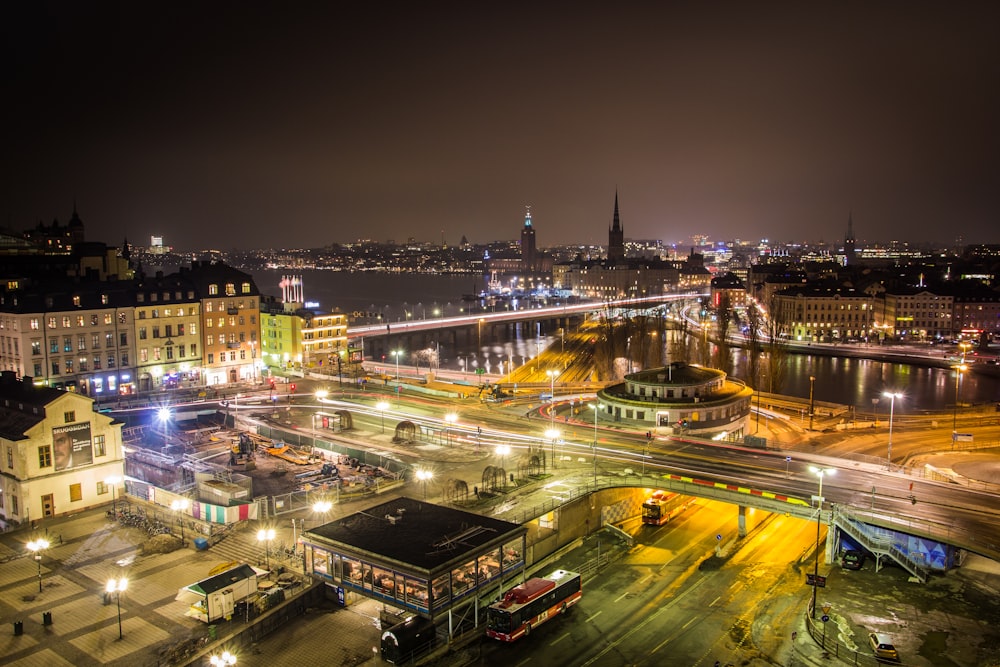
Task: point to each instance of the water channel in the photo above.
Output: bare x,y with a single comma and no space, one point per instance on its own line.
844,380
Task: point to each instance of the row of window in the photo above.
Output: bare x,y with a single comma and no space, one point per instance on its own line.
81,343
183,329
81,320
81,365
169,312
168,353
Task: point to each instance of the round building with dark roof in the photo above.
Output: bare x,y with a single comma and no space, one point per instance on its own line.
686,398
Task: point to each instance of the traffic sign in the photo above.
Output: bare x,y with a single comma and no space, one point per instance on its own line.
816,580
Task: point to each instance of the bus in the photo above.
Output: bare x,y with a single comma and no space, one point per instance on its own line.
663,506
530,604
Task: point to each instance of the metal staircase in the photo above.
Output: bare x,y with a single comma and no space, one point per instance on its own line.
879,542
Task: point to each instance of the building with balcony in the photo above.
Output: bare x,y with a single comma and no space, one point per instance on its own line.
680,397
824,313
56,454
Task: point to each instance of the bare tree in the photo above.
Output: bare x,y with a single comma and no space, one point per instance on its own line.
777,347
723,317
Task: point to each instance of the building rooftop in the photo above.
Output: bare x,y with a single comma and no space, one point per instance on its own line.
414,532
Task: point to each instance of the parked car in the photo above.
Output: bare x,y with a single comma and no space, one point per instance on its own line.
881,646
852,559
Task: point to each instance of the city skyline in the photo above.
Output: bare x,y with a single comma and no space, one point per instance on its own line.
235,126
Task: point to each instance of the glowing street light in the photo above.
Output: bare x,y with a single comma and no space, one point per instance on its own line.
450,419
179,506
819,472
322,507
397,354
892,396
117,586
424,476
113,482
321,394
596,407
553,435
227,659
502,452
36,547
959,370
265,536
553,374
164,414
382,406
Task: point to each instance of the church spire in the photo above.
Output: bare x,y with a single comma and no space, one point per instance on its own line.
616,237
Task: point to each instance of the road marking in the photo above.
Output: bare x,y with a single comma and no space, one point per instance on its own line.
643,580
620,597
712,603
559,640
693,619
595,616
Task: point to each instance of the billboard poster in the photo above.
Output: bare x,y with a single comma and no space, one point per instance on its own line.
72,446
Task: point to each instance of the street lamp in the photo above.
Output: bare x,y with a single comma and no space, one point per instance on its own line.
892,396
812,403
424,476
479,336
596,407
382,406
553,435
163,414
502,452
396,354
322,507
117,586
321,394
450,419
35,547
959,370
819,472
227,659
265,536
553,374
179,506
113,482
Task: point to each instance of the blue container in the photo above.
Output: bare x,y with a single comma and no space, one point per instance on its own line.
200,543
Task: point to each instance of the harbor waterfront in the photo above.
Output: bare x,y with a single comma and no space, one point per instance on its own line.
838,379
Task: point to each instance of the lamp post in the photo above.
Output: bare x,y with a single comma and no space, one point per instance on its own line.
450,419
396,354
179,506
553,374
959,370
875,410
382,406
227,659
117,586
892,396
36,547
265,536
819,472
479,336
424,476
322,507
553,434
812,403
596,407
163,414
113,482
502,452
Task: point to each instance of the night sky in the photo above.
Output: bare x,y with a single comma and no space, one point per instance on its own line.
254,125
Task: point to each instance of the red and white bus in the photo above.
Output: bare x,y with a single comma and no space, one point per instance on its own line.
663,506
535,601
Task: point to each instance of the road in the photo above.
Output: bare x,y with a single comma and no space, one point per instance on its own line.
670,601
